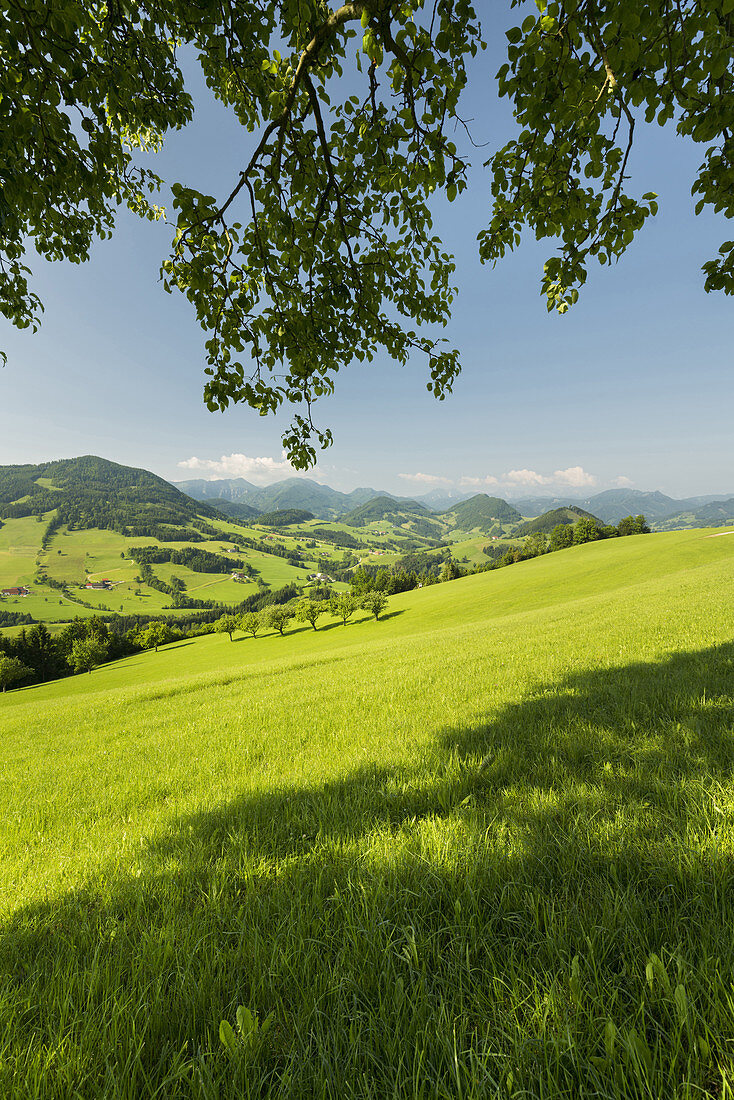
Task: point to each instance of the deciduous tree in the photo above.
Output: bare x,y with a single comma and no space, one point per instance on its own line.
250,623
375,602
343,606
227,625
310,611
11,671
561,536
154,635
320,249
585,530
87,653
277,616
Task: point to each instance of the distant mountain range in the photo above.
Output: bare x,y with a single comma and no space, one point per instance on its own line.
610,506
293,492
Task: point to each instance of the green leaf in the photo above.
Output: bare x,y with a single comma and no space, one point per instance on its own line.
246,1022
228,1037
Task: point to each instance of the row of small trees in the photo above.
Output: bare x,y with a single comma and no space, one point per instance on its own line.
342,605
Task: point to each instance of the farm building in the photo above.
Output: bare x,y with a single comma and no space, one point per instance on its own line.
104,585
22,591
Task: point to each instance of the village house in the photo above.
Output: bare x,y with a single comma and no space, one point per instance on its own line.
319,577
22,591
103,585
238,576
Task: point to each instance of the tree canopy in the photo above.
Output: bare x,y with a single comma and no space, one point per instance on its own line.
322,248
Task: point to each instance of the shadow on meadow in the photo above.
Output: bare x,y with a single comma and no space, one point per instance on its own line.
469,930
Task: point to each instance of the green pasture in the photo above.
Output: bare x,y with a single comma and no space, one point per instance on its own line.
20,543
45,605
482,848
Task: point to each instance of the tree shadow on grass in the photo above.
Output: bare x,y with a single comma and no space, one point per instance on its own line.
465,930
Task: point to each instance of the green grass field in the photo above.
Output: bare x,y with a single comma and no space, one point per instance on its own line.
482,848
20,543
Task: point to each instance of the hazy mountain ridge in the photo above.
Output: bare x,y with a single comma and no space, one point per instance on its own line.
610,505
292,492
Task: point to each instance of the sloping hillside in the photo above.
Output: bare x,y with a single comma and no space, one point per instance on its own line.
285,517
93,492
489,835
544,524
385,507
233,508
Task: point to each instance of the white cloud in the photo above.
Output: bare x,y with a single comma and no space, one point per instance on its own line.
623,482
427,479
575,477
263,469
479,482
527,478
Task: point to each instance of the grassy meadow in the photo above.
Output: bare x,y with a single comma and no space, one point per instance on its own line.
482,848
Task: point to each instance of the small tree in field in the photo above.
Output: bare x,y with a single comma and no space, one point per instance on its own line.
155,634
250,623
278,615
308,611
11,671
87,653
375,602
343,606
227,625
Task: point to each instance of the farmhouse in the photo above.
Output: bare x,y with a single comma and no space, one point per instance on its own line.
22,591
319,577
239,576
104,585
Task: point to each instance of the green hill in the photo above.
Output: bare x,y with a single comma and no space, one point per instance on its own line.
397,511
93,492
482,513
487,836
285,517
233,509
544,524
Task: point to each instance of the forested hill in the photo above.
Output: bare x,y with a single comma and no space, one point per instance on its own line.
544,524
93,492
481,511
385,507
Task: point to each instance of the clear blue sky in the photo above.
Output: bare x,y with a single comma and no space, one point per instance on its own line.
633,386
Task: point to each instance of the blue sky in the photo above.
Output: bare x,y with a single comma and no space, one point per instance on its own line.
634,386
